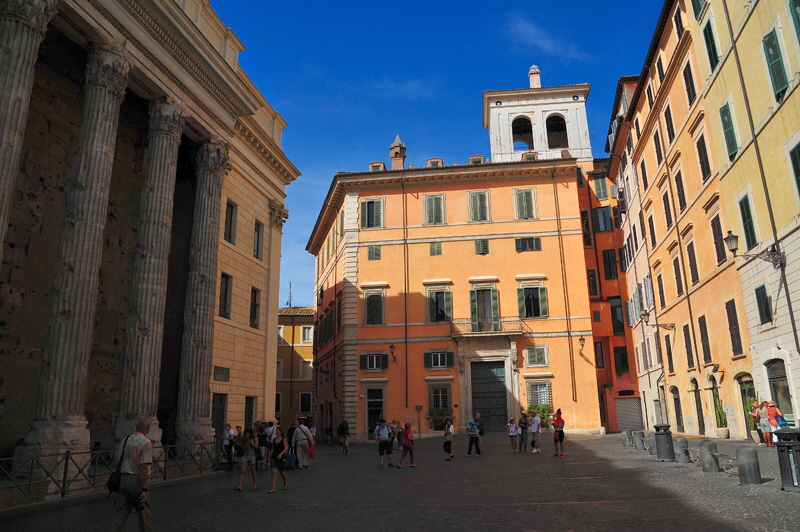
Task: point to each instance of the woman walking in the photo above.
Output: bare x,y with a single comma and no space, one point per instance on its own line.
772,412
558,434
762,423
277,464
249,445
524,425
448,439
408,446
511,429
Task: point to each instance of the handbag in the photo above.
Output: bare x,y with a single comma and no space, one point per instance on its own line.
781,421
291,460
115,478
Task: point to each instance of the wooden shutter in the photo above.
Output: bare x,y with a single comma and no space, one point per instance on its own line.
378,206
687,341
518,244
384,361
795,153
733,327
427,359
495,310
727,130
521,303
537,243
448,305
668,346
764,305
429,210
711,46
474,207
695,275
719,243
543,310
362,361
473,309
363,214
484,206
777,73
703,326
747,223
451,359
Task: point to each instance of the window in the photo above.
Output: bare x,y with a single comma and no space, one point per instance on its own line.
601,218
532,302
600,188
667,209
255,307
676,266
526,204
280,335
556,132
764,303
579,175
371,213
587,229
657,145
443,359
222,374
777,74
668,122
704,342
440,305
373,253
374,362
662,298
305,371
695,276
668,347
697,6
649,96
528,244
439,397
339,314
306,335
484,310
592,278
678,20
711,46
596,317
644,175
434,209
719,243
481,247
225,289
794,155
599,357
341,223
435,249
688,81
794,6
652,227
539,393
621,360
680,191
617,323
687,344
277,402
373,308
728,132
479,206
305,402
660,68
747,223
522,133
638,132
702,156
230,222
536,356
610,263
258,240
375,167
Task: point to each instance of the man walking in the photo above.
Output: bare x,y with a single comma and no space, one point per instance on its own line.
301,441
381,434
136,454
479,423
536,430
474,438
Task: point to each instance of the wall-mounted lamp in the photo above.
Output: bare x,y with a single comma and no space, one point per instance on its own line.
646,317
771,254
582,341
716,369
391,351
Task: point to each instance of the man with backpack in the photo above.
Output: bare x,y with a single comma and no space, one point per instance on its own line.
382,435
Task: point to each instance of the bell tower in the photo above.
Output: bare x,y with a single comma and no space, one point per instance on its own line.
397,151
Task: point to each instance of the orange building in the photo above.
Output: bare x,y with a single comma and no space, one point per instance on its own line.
449,290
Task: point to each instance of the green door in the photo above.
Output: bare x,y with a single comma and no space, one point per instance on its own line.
489,394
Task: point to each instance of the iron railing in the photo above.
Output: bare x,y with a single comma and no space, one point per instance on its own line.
34,479
488,325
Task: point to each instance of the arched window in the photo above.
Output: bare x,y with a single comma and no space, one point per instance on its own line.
779,386
676,401
556,132
522,133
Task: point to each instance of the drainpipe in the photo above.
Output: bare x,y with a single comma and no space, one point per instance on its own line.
291,367
405,280
564,286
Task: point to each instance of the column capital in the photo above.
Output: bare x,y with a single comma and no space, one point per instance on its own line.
213,157
166,118
278,213
35,13
108,68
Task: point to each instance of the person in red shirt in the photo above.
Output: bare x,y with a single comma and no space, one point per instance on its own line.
408,446
558,434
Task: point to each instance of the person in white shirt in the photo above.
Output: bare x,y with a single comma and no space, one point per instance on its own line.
382,434
227,444
301,441
536,430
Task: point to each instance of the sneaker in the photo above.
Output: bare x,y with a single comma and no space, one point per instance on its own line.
467,454
554,456
533,451
561,456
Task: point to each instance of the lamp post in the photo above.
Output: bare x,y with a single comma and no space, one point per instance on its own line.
646,317
391,352
582,341
771,254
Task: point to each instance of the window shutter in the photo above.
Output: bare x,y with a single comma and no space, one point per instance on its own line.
747,223
451,359
474,207
595,221
775,61
518,244
727,130
648,291
363,214
429,210
438,210
531,213
537,244
341,223
377,308
378,213
427,360
473,308
495,310
628,313
711,46
543,310
733,327
687,341
448,305
521,302
362,361
484,212
795,153
520,197
384,361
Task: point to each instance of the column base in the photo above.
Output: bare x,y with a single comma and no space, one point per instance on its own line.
192,431
49,440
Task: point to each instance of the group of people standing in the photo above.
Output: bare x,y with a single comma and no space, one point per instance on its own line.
769,419
518,430
386,434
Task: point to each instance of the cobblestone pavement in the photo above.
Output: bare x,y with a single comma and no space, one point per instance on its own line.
598,486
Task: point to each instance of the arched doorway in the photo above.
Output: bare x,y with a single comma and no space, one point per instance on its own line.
676,401
779,388
698,406
556,132
522,133
747,392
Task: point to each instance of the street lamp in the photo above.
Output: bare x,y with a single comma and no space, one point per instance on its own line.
646,317
582,341
391,351
771,255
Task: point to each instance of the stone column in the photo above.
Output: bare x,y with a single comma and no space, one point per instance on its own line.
59,423
193,424
141,356
22,27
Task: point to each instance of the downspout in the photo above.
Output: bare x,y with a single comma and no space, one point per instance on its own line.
762,175
268,291
405,279
291,367
564,286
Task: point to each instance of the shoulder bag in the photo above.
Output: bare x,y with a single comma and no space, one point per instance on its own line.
115,478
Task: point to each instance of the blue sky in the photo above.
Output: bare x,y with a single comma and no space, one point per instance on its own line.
348,78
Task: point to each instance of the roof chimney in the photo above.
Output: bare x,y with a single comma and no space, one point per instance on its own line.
535,76
398,153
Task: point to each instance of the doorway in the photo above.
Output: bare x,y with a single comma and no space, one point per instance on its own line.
249,411
219,405
374,408
747,392
698,405
676,401
488,385
779,389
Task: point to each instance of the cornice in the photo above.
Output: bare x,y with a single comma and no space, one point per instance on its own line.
267,149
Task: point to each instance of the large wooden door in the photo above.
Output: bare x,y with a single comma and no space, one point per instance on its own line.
489,394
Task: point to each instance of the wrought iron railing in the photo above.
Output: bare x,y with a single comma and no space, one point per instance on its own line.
34,479
487,325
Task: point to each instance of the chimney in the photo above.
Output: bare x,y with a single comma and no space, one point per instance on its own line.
535,76
397,151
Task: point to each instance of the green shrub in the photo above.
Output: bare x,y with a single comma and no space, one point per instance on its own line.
544,412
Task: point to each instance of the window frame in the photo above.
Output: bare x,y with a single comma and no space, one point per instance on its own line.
225,295
378,213
600,187
518,214
435,249
258,240
373,253
433,304
523,245
300,402
369,317
544,353
429,209
471,207
540,300
481,246
231,214
763,304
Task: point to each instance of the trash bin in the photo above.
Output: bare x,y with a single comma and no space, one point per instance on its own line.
788,445
664,447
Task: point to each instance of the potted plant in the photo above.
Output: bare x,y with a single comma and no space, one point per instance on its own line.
723,432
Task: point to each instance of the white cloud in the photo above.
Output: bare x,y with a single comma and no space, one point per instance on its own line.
529,35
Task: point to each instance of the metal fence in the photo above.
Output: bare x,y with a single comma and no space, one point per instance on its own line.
34,479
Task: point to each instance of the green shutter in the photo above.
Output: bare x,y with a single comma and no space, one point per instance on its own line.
711,46
795,157
438,210
474,207
483,201
529,204
727,130
451,359
518,244
427,360
363,214
473,309
777,73
495,310
448,305
600,188
521,303
362,361
747,223
524,204
378,214
697,7
543,310
384,361
377,252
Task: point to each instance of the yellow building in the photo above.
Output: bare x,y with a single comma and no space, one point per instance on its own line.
294,390
750,55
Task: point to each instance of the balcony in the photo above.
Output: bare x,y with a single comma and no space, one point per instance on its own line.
488,326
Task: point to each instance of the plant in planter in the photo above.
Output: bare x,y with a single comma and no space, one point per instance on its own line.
437,416
722,419
544,412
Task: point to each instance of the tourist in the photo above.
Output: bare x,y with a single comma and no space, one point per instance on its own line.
227,445
479,423
772,412
511,429
301,441
382,434
135,456
448,439
762,423
474,438
277,463
263,444
248,445
536,429
558,434
408,446
523,425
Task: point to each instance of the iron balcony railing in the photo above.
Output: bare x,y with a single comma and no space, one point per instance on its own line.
488,325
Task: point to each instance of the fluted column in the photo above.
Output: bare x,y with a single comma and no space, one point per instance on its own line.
60,422
22,27
194,395
141,356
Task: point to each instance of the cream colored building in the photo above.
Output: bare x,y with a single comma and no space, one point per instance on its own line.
294,387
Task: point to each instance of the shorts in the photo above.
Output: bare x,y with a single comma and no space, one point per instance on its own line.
558,435
248,459
534,436
764,425
384,447
280,465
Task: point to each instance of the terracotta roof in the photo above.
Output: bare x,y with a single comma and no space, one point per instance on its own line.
296,311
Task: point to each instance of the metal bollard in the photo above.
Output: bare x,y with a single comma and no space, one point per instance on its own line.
749,470
708,451
681,448
638,440
664,446
627,440
651,443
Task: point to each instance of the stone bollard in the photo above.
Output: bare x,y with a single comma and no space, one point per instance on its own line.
710,462
749,470
638,440
681,446
627,441
651,444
